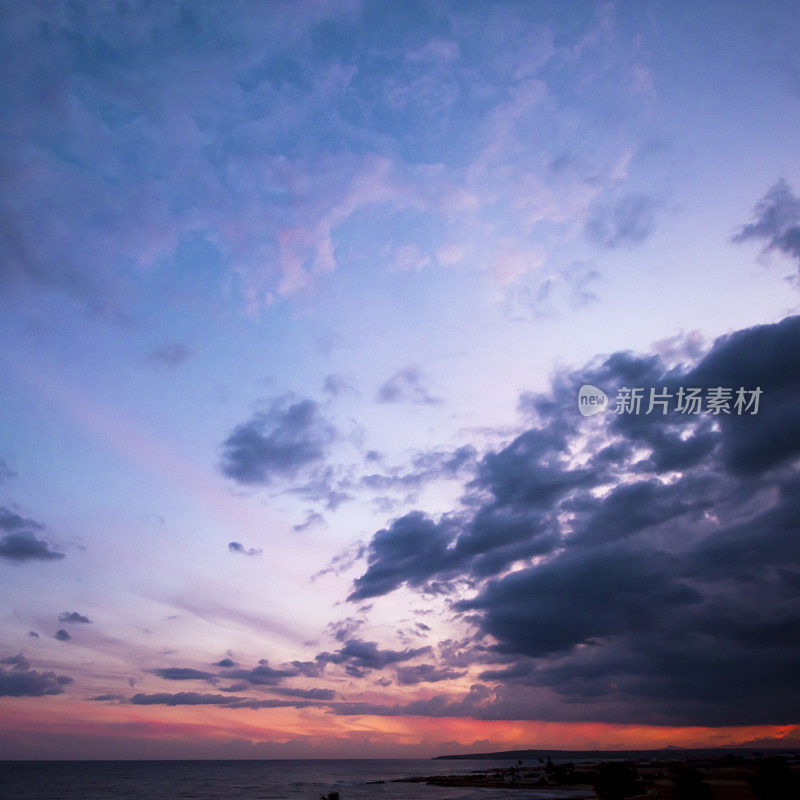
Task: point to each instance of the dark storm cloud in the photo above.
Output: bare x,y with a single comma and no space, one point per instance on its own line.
524,477
530,472
170,355
360,657
239,548
183,674
410,551
767,356
409,385
20,542
777,222
73,616
629,221
17,679
598,593
290,435
657,572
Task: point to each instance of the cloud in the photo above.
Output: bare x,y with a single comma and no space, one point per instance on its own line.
336,386
6,472
426,673
343,561
238,547
26,547
263,674
184,699
73,616
12,522
425,466
17,679
307,694
277,443
409,385
411,551
360,657
305,698
17,662
767,356
20,542
256,704
473,704
107,698
628,221
62,635
776,223
192,185
313,518
631,568
193,214
226,663
344,629
170,355
183,674
33,634
328,484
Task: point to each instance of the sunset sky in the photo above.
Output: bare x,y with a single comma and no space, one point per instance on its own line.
295,302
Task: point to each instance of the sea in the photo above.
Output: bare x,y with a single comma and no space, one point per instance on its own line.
353,779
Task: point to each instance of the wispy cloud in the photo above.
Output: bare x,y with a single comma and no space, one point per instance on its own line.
239,549
170,355
409,385
776,223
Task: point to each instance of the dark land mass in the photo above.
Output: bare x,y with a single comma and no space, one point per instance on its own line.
674,753
671,774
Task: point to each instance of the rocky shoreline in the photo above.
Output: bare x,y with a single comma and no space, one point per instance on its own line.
724,778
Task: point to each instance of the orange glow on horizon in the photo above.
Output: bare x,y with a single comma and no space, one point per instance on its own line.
298,730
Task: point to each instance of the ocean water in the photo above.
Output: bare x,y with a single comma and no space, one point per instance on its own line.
243,780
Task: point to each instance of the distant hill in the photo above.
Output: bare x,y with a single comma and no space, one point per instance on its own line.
638,755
